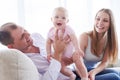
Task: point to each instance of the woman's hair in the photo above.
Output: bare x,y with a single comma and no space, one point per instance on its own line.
111,44
5,33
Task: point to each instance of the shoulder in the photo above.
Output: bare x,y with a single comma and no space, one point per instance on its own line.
51,32
37,36
84,36
51,29
83,40
69,30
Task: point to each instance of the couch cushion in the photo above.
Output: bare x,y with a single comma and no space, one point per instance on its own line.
15,65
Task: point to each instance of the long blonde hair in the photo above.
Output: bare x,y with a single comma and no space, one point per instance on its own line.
111,43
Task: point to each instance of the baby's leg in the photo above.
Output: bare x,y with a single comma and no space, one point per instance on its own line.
80,67
67,72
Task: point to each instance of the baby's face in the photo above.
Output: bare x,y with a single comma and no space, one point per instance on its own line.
60,19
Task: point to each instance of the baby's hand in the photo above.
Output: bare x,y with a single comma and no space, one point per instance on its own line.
49,57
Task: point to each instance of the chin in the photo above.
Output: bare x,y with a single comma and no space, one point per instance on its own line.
100,31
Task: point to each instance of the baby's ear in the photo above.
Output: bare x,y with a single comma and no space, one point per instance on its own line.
51,18
67,20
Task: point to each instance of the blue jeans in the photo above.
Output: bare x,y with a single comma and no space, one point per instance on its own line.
106,74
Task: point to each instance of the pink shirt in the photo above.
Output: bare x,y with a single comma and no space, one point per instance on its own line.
68,31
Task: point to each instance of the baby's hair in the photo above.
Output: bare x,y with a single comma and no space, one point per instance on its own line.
62,9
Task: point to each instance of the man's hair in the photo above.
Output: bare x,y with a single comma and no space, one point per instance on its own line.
5,38
5,33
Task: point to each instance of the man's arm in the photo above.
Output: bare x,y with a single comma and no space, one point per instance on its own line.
52,72
55,65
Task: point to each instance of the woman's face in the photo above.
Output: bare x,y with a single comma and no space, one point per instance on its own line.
102,22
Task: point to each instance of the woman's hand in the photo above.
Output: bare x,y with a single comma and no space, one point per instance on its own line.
91,75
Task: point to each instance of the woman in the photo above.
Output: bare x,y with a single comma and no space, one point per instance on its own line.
100,46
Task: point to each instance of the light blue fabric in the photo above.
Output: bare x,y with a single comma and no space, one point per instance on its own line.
107,74
90,62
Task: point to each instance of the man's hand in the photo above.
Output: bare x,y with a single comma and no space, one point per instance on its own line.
59,46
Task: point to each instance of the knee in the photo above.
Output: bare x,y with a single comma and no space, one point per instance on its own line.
76,57
111,70
115,76
108,76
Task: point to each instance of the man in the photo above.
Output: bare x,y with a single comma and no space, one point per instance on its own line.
33,45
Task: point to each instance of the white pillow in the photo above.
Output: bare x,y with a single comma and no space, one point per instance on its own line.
15,65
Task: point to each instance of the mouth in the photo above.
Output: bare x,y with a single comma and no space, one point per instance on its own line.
59,24
100,27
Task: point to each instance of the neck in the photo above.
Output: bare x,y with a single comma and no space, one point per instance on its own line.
31,49
101,36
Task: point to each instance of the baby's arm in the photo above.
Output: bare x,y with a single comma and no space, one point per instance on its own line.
48,48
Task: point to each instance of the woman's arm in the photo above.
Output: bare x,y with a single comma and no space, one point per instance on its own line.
83,42
102,65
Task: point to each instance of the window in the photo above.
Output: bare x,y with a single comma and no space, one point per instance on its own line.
35,15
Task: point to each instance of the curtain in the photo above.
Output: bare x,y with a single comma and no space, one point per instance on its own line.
35,15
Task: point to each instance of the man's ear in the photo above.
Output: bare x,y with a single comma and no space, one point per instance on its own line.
10,46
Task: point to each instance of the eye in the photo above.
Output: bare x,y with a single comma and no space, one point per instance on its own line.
63,17
97,19
106,20
23,35
56,17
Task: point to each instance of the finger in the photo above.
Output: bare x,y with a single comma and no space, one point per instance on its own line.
56,34
67,39
61,34
91,78
63,31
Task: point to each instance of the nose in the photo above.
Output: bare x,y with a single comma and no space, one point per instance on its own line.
59,18
27,35
100,22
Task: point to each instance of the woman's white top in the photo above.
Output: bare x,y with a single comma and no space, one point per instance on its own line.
90,59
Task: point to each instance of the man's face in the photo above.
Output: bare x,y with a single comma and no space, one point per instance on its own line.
22,39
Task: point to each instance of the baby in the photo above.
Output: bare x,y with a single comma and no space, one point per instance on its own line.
60,20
